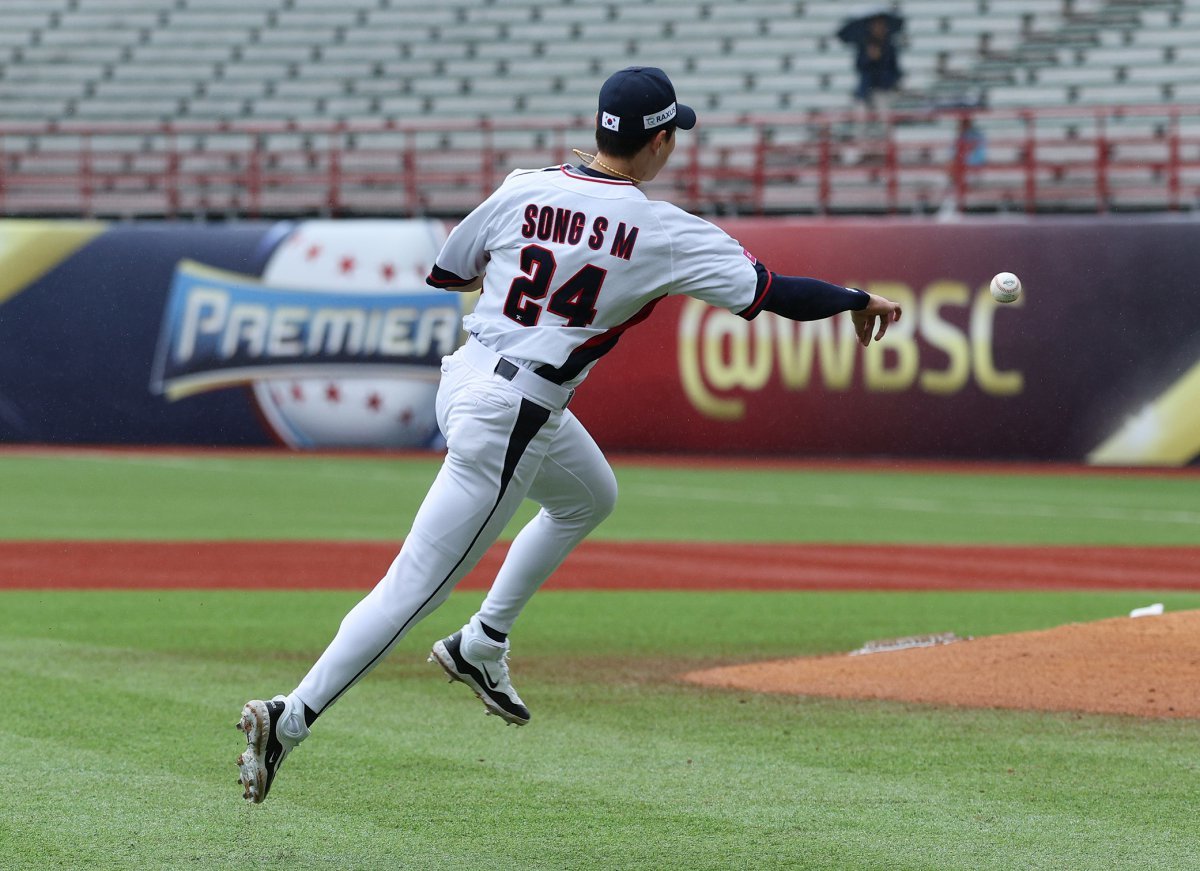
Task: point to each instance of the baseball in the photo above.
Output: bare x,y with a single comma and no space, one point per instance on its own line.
1006,287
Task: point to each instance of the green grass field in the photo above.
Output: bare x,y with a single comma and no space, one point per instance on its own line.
161,496
117,738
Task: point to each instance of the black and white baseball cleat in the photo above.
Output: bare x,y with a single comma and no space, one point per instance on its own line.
471,657
267,745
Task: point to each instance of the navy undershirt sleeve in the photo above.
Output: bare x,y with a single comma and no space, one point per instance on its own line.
444,279
802,299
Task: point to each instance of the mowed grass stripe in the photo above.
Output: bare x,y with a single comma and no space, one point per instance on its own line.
1067,506
290,496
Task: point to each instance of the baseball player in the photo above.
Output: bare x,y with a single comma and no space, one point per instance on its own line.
569,257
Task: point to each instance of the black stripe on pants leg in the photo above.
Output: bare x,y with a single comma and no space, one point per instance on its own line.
530,419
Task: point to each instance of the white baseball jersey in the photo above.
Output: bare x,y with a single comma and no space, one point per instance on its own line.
571,260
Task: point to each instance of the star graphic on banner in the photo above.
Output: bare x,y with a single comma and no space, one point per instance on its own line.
374,402
333,394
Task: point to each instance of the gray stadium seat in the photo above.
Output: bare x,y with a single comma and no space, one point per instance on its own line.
272,60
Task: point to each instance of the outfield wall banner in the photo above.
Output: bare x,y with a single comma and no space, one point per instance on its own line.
313,334
323,334
1099,360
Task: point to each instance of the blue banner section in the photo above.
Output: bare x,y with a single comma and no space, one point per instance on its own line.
311,334
77,343
221,329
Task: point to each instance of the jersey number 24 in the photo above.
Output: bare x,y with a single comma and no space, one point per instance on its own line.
575,300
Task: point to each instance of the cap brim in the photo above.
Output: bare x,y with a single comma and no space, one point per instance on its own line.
685,117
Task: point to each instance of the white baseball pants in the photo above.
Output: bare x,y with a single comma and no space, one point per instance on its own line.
506,440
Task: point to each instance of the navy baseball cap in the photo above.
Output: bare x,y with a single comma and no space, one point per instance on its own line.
639,100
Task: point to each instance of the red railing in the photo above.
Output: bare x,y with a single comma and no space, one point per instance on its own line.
1034,160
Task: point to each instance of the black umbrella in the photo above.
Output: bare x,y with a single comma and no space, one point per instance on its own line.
855,30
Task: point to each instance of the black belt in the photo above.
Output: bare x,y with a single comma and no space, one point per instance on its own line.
506,369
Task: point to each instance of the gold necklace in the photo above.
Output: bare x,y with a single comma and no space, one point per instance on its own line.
591,158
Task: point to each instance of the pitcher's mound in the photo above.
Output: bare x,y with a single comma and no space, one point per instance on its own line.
1146,666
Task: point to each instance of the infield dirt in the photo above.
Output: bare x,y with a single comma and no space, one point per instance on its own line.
1144,666
599,565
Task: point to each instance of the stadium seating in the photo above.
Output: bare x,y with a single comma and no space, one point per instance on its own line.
56,56
206,61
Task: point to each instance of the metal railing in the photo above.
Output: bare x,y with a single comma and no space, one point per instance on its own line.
1071,159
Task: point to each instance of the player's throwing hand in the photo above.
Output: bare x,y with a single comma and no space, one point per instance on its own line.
864,319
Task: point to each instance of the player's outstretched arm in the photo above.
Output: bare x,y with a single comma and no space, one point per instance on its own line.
879,309
807,299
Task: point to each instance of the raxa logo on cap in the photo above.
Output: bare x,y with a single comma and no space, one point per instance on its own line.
659,118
